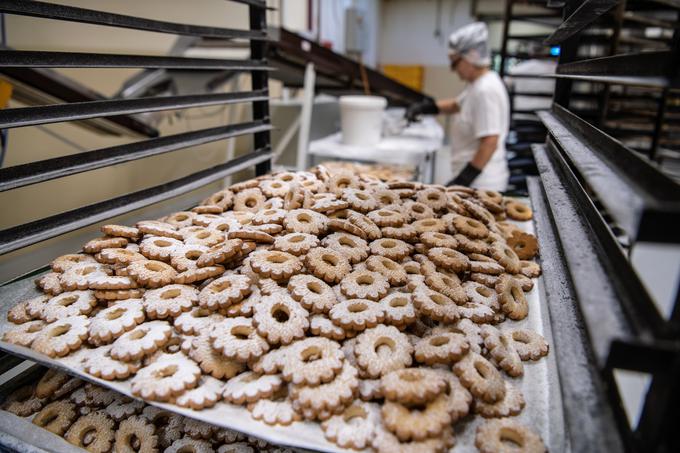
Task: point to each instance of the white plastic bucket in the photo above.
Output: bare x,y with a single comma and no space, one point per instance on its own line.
361,119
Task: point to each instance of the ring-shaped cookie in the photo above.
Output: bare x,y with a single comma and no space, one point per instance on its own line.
435,305
523,244
444,347
434,198
56,417
79,276
296,243
93,432
159,248
429,224
266,216
502,350
151,273
412,385
494,435
114,321
64,262
353,247
134,434
204,236
61,337
356,314
180,219
480,377
278,266
274,187
249,200
506,257
414,210
312,293
280,319
399,309
448,285
411,423
530,345
158,228
224,291
365,284
165,378
369,227
449,259
238,340
390,269
72,303
340,182
438,239
330,396
169,301
249,387
224,199
327,264
305,221
312,361
511,297
386,218
220,253
393,249
472,228
382,349
143,340
359,200
517,210
354,427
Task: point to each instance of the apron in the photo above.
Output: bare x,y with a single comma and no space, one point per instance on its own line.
464,145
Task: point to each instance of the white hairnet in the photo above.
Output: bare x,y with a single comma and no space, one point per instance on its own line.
471,43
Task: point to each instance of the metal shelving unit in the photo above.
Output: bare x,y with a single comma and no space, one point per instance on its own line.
592,190
80,110
80,105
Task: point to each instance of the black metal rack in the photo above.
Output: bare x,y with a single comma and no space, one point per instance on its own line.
36,172
636,107
592,190
516,47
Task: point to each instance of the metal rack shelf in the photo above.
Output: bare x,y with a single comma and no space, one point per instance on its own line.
78,109
604,202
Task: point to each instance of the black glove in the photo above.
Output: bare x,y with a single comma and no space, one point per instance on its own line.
466,176
426,106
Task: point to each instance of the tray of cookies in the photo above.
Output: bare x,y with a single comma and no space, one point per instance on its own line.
313,310
77,416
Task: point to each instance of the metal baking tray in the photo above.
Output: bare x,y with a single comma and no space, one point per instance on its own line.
540,386
18,434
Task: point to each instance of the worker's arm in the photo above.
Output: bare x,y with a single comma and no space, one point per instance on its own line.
448,105
487,146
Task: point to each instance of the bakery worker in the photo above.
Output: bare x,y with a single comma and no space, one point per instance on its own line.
481,113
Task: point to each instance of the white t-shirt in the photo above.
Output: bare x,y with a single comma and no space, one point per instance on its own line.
484,111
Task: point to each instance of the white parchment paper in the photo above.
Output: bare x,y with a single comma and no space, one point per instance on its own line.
540,386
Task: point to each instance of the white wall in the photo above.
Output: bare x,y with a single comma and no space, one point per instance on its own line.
332,15
407,32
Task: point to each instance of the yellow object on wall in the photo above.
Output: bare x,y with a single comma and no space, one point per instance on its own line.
409,75
5,93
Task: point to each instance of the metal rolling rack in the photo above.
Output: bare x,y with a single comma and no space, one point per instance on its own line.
12,62
604,316
36,172
645,116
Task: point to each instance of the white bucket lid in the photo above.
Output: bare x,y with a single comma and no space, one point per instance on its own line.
368,102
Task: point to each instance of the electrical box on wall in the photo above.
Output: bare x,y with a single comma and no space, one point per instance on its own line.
355,32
